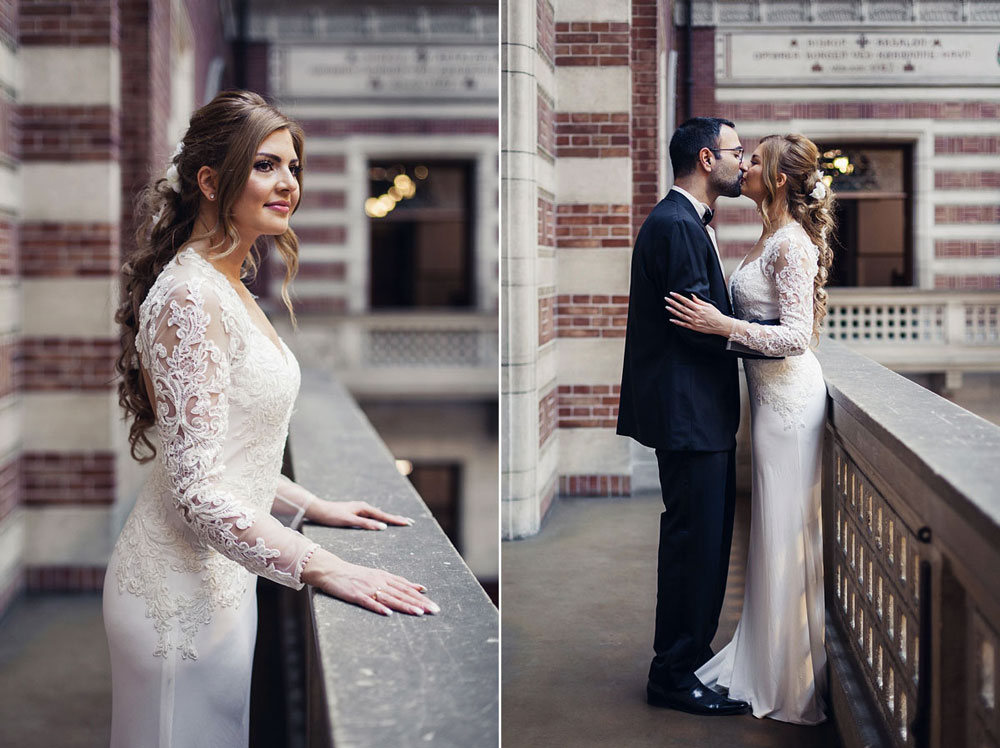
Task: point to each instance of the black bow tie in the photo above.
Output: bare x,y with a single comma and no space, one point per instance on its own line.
706,217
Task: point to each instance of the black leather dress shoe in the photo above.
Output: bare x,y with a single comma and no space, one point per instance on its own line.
697,699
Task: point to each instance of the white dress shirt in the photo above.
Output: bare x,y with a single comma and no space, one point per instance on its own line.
701,208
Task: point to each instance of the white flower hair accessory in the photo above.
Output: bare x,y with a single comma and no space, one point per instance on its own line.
818,191
173,176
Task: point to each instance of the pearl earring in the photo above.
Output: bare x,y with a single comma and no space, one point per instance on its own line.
212,196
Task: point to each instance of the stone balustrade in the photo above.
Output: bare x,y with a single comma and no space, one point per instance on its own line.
368,680
911,510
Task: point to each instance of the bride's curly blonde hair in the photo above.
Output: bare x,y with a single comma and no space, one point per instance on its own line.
224,135
797,158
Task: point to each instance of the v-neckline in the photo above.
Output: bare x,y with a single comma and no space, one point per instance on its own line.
280,346
763,249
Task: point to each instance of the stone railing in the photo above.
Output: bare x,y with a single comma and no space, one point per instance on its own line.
908,329
371,681
912,547
410,354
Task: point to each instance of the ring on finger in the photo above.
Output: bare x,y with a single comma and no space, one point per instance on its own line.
375,593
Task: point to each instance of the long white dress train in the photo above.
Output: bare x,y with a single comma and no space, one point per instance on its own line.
179,596
776,659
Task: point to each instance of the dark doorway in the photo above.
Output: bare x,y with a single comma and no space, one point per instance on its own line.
440,486
873,244
421,234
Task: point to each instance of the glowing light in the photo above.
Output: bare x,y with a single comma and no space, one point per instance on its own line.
386,202
827,180
410,190
395,194
374,208
405,467
402,181
843,165
421,172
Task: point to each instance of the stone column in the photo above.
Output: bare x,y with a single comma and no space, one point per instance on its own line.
520,502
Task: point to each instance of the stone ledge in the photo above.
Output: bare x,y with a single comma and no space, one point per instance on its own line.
399,681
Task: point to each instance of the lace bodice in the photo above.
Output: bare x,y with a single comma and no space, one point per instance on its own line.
777,285
224,396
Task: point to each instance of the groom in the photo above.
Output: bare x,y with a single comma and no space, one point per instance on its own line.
680,396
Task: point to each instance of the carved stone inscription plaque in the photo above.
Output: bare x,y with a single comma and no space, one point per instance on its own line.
865,58
432,71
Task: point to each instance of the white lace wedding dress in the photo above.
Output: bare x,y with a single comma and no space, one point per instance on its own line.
179,596
776,659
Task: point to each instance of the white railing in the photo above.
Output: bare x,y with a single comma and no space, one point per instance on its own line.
414,353
909,329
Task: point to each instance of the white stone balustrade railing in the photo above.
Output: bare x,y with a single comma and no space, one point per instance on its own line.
911,526
396,353
909,329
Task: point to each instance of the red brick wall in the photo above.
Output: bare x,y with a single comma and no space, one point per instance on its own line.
546,319
67,364
10,482
68,478
964,180
385,126
598,486
69,133
145,101
69,249
546,417
10,376
76,22
784,110
592,43
966,248
591,316
645,114
968,282
592,226
968,143
588,406
326,164
65,578
9,135
546,223
8,248
8,32
592,134
967,214
546,29
313,199
322,234
546,125
314,270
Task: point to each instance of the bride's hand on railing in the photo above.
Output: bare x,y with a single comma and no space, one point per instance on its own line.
359,514
374,589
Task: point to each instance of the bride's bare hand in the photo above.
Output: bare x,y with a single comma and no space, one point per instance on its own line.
697,315
374,589
354,514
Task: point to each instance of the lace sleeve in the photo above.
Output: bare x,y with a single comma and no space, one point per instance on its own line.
792,267
185,352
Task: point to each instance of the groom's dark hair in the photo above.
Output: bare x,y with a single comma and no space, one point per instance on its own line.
690,138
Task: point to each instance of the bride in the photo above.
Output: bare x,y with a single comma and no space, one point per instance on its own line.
776,659
202,365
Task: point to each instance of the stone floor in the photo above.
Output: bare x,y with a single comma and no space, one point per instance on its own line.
55,678
577,605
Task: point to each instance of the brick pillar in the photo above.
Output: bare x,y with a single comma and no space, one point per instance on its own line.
11,515
69,145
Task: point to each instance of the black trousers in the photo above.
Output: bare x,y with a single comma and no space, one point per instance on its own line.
696,532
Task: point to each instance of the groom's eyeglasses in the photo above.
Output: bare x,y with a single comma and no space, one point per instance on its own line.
737,151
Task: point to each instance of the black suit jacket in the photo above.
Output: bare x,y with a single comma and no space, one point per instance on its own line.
680,388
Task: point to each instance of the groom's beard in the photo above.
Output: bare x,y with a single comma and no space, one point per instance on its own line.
728,186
